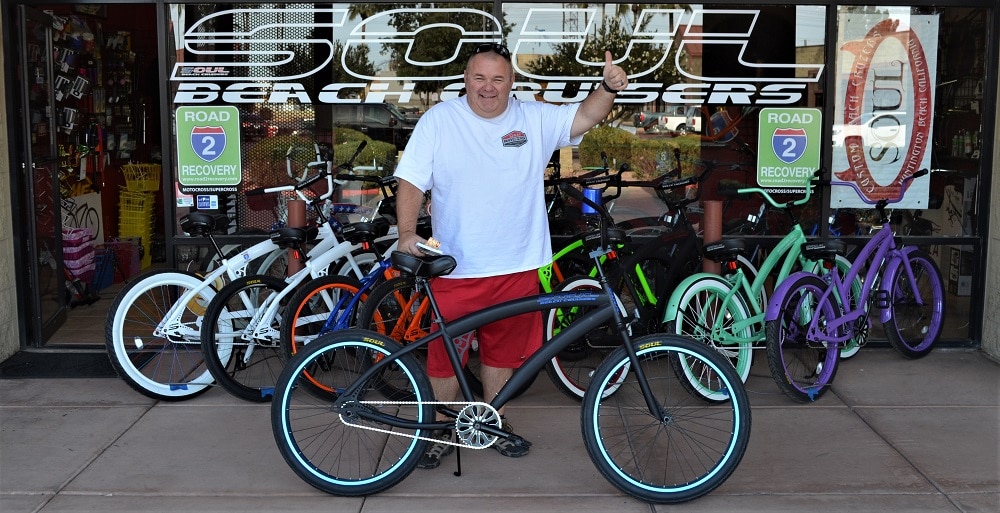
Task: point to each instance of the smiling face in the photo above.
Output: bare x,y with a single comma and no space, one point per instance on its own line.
489,77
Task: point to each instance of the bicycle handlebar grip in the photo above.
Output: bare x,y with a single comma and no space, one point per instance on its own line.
257,191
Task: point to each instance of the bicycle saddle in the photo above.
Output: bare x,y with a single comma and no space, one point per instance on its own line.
289,237
823,249
423,267
200,224
725,250
592,239
360,232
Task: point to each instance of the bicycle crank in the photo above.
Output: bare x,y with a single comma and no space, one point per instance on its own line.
469,423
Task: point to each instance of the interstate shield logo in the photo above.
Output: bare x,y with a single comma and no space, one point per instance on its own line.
789,144
208,142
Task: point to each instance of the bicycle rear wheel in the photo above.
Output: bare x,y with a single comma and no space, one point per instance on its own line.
246,367
333,449
169,368
913,328
801,366
688,451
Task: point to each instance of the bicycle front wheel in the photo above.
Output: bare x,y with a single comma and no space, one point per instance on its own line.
245,365
914,327
317,307
680,453
802,365
702,314
329,446
571,369
156,364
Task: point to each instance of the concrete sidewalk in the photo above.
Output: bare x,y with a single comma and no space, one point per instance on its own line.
891,435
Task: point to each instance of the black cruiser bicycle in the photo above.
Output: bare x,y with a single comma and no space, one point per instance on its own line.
353,411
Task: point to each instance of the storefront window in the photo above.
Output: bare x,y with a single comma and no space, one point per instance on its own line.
750,88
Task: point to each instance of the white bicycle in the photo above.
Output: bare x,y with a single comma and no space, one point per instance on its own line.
153,329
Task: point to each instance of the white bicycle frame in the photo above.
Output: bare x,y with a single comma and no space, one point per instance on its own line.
173,328
260,326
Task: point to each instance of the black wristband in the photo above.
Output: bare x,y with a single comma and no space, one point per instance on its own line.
608,89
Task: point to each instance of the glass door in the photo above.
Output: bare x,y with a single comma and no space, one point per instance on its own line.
39,182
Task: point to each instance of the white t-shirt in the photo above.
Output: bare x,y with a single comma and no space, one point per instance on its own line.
486,178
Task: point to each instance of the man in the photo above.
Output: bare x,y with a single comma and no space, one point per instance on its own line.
483,157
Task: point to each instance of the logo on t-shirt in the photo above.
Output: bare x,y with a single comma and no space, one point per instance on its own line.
515,139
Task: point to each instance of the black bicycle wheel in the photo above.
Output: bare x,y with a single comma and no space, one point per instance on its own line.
246,367
330,446
676,455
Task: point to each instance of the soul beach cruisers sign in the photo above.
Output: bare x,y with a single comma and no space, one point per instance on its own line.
225,73
883,119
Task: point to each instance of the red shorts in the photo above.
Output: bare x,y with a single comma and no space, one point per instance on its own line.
503,344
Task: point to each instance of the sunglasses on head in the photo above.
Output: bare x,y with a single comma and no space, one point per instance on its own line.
493,47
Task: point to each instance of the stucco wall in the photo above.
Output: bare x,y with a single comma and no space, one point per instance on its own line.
9,337
991,321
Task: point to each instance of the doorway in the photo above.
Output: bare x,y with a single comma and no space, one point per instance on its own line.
88,87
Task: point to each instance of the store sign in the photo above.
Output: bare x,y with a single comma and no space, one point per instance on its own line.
208,149
884,109
658,32
788,146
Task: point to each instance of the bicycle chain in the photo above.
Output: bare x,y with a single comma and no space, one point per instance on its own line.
435,440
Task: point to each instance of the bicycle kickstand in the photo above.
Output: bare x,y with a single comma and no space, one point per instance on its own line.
458,461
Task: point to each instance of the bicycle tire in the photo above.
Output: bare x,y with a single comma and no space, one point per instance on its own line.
311,307
571,369
325,447
913,329
246,368
700,306
155,366
672,459
802,368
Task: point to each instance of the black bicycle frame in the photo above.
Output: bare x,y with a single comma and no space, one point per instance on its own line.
603,313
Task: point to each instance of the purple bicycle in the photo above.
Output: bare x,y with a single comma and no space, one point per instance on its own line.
810,318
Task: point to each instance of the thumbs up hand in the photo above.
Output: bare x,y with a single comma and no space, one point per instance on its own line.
615,77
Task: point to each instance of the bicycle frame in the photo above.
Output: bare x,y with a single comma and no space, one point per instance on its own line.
348,304
884,255
881,256
604,312
171,326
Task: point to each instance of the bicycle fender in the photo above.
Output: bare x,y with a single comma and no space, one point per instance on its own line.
774,304
670,312
890,270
